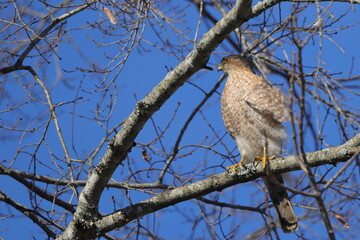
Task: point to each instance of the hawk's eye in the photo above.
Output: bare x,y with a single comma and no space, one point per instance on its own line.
227,60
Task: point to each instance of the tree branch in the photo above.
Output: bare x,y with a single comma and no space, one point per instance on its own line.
30,213
123,141
224,180
42,193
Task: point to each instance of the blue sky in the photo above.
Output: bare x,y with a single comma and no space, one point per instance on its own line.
143,70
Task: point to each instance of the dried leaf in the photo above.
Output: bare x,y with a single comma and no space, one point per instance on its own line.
110,15
145,155
342,220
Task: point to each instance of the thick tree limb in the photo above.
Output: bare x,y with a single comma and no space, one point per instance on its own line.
224,180
87,211
87,222
123,141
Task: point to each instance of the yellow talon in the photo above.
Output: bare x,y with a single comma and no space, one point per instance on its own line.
233,167
265,158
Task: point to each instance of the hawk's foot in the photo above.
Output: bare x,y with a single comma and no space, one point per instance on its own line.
233,167
265,158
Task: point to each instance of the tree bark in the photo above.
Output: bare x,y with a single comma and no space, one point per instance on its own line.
89,230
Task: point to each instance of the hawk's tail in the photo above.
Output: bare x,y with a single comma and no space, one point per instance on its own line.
282,204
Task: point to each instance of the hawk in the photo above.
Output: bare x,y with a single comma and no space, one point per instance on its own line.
252,111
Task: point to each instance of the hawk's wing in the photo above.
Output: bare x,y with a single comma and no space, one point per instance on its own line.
269,102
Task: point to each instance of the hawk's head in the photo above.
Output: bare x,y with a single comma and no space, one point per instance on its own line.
234,62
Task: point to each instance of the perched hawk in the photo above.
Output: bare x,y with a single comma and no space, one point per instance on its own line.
253,110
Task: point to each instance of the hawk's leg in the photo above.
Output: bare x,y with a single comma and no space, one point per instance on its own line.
265,158
233,167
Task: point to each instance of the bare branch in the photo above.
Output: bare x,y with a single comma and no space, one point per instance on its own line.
33,215
221,181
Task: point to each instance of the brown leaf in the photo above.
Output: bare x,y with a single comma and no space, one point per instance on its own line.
110,15
342,220
145,155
